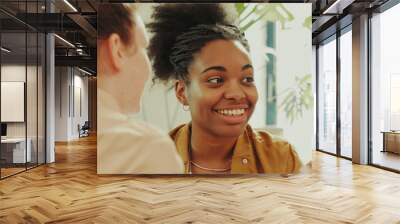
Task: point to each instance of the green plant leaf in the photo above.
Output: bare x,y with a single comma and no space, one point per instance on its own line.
264,12
244,17
298,99
308,22
240,7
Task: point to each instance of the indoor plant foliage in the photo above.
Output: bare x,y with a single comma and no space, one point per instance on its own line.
299,97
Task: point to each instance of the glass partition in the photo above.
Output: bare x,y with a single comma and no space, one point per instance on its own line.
22,89
32,87
41,87
385,89
14,153
327,96
346,93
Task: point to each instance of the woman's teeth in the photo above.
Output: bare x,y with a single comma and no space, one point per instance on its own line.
234,112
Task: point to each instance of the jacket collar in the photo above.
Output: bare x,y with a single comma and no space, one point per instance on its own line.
243,159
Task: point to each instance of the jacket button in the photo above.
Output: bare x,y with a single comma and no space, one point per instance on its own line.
245,161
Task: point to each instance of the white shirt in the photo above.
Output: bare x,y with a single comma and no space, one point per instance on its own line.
128,146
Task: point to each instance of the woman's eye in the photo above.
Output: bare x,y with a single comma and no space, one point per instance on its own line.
248,79
215,80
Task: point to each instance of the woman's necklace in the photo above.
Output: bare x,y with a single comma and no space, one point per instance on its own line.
191,162
209,169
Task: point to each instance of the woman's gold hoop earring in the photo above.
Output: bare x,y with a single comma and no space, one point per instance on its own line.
186,107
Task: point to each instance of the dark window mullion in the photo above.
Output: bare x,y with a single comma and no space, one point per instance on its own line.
37,90
0,93
338,76
369,79
317,96
26,87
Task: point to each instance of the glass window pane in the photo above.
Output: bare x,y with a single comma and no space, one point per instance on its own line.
32,86
13,86
41,98
386,89
346,94
327,97
31,100
23,84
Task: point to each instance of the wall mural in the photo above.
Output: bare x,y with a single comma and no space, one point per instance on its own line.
216,90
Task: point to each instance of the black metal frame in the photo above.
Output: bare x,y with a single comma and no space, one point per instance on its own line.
340,31
369,83
338,98
45,91
316,97
26,89
37,91
0,89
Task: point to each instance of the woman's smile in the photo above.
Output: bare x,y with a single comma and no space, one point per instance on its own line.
232,115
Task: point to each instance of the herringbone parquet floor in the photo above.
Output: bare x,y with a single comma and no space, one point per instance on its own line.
69,191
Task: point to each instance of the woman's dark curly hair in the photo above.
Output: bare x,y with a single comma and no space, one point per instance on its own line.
180,31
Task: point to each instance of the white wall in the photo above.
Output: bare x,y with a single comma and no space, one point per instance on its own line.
256,36
294,58
12,101
12,73
314,81
67,115
62,80
80,84
33,127
50,94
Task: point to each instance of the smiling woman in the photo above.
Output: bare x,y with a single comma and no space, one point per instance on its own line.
209,59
